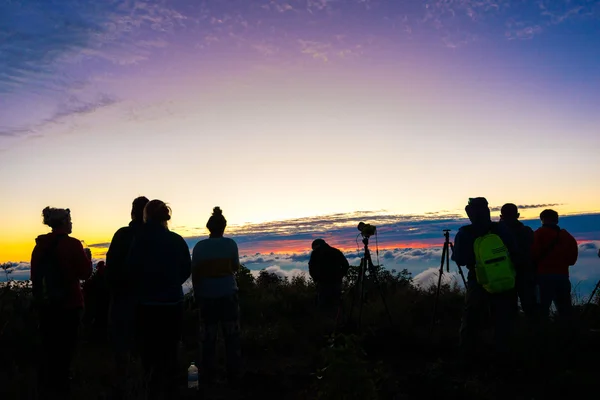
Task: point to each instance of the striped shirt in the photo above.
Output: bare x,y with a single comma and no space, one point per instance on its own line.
214,262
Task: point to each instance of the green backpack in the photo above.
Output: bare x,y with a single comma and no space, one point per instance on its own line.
493,267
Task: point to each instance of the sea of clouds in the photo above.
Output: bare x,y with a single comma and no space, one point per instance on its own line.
411,242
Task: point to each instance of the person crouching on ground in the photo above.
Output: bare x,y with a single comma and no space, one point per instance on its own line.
327,267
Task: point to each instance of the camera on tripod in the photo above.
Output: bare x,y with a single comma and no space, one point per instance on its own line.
367,230
366,265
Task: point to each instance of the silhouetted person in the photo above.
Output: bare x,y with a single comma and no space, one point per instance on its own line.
120,286
159,262
327,267
554,250
97,300
214,263
479,301
58,263
524,267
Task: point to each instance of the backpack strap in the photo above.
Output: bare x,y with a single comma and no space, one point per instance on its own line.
546,252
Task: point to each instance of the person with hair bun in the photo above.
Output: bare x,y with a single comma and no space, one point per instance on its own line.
159,263
214,263
58,264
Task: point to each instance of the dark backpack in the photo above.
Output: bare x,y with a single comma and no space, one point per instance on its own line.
524,239
49,286
327,265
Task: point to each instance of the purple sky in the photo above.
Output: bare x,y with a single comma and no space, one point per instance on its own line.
290,109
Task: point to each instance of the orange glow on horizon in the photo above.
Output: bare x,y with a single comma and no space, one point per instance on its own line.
303,246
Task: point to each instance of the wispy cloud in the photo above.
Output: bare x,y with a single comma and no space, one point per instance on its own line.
528,206
36,41
47,48
317,50
40,38
70,107
412,232
559,11
521,30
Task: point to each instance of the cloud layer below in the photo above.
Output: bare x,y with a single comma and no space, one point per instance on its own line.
412,242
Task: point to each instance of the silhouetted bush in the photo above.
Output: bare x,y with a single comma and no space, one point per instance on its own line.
294,351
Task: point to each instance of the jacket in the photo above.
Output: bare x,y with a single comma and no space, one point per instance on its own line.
159,263
119,283
327,265
563,254
73,265
523,236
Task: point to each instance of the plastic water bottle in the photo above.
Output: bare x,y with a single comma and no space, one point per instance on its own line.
193,376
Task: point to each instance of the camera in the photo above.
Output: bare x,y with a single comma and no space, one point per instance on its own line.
366,230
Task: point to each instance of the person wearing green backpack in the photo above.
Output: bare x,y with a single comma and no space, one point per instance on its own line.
486,248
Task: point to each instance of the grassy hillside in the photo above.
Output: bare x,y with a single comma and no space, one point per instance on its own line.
292,351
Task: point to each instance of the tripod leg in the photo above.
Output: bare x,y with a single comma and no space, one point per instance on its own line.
439,284
355,293
352,302
387,310
587,305
460,271
339,315
361,298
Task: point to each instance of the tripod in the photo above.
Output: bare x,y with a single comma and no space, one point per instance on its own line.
448,246
359,288
587,306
